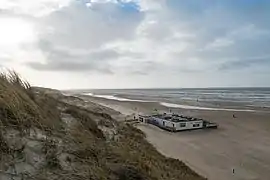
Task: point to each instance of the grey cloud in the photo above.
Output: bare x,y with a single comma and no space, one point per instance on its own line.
243,43
13,14
69,60
54,54
89,29
238,64
74,38
215,20
158,30
69,66
142,68
132,55
78,26
150,67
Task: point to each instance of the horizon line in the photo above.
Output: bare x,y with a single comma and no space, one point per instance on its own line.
164,88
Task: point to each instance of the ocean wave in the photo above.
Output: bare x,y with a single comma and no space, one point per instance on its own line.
115,98
171,105
89,94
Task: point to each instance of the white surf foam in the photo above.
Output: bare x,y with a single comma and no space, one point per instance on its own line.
115,98
201,108
89,94
171,105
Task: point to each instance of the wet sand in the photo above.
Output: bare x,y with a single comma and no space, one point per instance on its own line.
241,143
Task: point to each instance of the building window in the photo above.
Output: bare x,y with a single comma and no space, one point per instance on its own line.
196,125
182,124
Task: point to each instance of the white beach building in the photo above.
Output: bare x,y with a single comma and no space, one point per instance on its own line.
173,122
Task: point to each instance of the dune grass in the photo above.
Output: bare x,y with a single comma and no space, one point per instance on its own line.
20,107
82,152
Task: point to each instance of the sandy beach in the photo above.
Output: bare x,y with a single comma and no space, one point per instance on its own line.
241,143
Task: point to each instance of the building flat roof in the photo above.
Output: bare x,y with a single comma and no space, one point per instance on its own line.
146,116
176,117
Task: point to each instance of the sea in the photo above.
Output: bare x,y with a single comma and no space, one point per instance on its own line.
206,98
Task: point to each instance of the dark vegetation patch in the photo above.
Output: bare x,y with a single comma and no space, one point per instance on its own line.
85,120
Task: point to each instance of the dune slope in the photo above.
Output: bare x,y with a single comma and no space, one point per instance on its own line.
46,135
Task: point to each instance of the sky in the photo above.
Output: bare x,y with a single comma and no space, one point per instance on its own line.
77,44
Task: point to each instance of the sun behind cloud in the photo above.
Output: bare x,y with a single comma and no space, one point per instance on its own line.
15,31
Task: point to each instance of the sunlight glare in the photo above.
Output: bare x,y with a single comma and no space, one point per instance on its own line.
14,32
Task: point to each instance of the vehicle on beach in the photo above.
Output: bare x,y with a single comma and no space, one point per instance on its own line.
175,122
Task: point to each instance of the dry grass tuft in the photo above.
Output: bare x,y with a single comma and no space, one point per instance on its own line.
21,108
79,152
11,77
16,106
